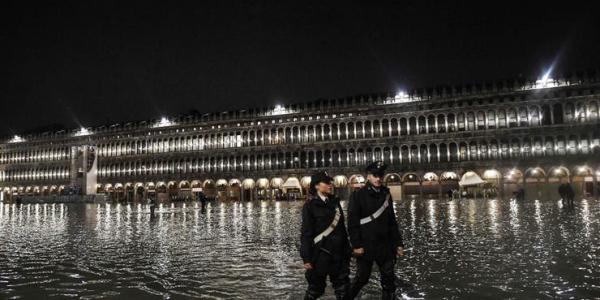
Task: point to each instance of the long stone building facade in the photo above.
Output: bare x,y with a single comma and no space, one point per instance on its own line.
513,134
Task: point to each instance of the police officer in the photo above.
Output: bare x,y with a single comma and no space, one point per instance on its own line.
374,232
324,245
152,203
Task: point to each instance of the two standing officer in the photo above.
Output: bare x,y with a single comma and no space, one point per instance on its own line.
374,232
324,246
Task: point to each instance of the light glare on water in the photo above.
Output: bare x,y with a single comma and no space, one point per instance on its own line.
249,250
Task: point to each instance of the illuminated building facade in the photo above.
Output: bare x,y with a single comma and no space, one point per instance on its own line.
510,133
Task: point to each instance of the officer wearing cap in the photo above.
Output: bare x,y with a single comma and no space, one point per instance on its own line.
374,232
324,245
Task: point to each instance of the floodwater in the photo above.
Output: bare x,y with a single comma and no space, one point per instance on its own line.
249,250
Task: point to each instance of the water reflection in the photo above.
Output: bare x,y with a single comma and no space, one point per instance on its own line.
452,218
514,216
460,249
493,215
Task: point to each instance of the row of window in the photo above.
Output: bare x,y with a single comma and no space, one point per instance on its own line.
396,155
425,124
405,154
39,155
36,174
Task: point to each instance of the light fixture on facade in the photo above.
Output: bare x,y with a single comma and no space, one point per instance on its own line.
83,132
16,139
401,97
279,110
164,122
546,81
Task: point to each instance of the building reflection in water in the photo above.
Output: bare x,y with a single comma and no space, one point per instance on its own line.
467,247
493,215
514,216
538,213
472,211
413,215
452,217
585,217
432,210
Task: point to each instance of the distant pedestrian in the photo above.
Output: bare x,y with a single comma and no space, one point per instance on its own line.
202,198
520,194
570,194
152,206
562,193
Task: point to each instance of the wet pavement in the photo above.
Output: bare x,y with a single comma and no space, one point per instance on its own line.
464,249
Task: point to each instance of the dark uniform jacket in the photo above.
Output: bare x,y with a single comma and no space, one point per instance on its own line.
316,217
378,234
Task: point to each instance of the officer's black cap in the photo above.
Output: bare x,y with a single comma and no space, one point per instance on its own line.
376,168
320,176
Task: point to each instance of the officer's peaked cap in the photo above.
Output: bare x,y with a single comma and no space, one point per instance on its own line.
376,168
320,176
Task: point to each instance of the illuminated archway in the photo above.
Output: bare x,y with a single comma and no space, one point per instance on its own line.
411,184
357,181
448,176
340,181
276,182
262,188
139,191
583,180
492,176
234,181
234,189
184,184
161,187
558,174
430,177
248,184
536,174
305,182
513,176
210,188
430,185
262,183
448,182
410,178
196,184
392,179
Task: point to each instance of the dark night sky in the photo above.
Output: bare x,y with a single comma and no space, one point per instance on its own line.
96,63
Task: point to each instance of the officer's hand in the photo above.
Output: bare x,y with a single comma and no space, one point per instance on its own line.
400,251
308,266
358,251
